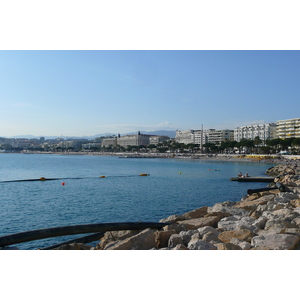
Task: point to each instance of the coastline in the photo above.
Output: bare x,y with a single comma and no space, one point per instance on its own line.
275,159
268,220
264,219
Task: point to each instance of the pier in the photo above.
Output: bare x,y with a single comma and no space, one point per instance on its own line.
253,179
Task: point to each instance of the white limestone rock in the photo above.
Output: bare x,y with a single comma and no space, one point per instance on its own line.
228,207
275,241
187,235
235,223
174,240
243,244
196,244
206,229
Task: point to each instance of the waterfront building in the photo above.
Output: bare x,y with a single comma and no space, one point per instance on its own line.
250,132
111,141
185,136
190,136
288,128
217,136
156,139
89,146
134,140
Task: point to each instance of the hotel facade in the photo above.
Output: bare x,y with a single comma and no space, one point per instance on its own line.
288,129
250,132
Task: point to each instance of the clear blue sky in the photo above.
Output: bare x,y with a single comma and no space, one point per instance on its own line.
76,93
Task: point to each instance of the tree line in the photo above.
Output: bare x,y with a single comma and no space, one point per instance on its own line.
246,146
226,147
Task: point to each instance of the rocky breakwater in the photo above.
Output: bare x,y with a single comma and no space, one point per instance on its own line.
269,220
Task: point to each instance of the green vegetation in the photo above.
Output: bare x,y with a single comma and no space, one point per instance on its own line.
245,146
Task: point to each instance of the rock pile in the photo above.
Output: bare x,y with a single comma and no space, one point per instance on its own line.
268,220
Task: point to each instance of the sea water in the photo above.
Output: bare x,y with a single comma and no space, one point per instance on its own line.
80,196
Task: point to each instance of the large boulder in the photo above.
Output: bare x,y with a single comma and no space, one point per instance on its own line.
260,222
177,227
207,229
196,244
228,207
293,231
162,237
242,234
275,241
211,238
200,222
228,246
172,219
209,234
144,240
174,240
187,235
237,223
282,218
243,244
196,213
285,197
111,237
253,204
295,203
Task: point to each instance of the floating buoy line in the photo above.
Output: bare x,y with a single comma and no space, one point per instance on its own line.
47,179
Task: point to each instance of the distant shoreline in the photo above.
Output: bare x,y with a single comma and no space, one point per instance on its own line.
275,159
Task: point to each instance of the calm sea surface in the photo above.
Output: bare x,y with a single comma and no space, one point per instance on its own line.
173,187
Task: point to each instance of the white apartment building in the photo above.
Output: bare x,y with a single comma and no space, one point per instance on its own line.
200,137
250,132
288,129
218,136
190,137
185,136
156,139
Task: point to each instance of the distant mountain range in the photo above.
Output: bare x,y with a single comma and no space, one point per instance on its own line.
170,133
